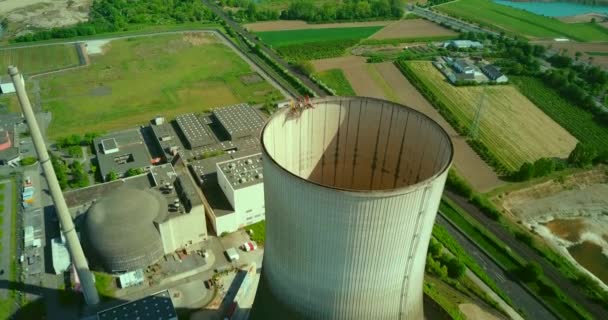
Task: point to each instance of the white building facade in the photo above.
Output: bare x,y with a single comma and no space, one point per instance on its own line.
241,180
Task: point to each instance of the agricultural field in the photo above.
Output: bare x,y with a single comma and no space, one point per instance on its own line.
284,25
385,81
310,44
511,126
578,122
520,22
39,59
136,79
412,28
335,79
296,37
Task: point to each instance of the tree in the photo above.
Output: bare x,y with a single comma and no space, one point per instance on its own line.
582,156
577,55
526,172
111,176
435,248
133,172
75,151
531,272
455,268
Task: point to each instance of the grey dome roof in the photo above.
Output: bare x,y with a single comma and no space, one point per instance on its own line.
120,230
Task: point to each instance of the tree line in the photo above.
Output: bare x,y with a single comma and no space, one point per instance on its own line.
121,15
307,10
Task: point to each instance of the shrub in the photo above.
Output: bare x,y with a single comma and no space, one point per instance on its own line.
28,161
485,206
531,272
459,185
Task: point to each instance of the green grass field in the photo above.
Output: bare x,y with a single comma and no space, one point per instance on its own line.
335,79
259,232
39,59
294,37
520,22
577,121
139,78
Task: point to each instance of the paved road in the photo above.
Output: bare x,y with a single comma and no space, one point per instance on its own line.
6,255
574,291
522,300
455,23
237,28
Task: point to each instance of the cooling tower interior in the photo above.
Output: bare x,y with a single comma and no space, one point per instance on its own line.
352,186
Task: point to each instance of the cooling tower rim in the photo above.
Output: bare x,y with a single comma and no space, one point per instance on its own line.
359,192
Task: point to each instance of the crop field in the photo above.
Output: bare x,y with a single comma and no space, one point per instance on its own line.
284,25
336,80
296,37
578,122
412,28
516,21
139,78
511,126
39,59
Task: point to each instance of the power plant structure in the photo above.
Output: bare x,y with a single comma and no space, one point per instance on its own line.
352,186
65,219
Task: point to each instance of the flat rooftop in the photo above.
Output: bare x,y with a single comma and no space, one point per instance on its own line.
243,172
157,306
194,131
239,120
132,152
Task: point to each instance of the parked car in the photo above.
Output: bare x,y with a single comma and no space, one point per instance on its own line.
249,246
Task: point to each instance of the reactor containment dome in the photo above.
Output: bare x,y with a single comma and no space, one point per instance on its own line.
352,187
120,232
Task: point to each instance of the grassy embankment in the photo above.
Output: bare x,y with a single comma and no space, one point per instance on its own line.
520,22
138,78
336,80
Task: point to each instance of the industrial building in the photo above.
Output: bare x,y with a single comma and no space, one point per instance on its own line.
492,72
195,134
163,209
239,120
120,151
9,143
241,180
157,306
352,187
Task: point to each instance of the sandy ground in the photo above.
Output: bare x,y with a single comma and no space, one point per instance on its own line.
474,312
298,24
24,15
385,81
412,28
572,47
565,214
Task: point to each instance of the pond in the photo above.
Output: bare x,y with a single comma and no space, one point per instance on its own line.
555,9
590,256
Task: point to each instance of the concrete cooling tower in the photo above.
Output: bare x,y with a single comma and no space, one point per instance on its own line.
352,187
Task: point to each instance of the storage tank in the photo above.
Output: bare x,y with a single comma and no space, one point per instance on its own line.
352,186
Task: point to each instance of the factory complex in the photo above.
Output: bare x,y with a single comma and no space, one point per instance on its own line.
194,167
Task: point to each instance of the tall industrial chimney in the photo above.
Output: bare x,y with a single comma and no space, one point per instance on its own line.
67,225
352,187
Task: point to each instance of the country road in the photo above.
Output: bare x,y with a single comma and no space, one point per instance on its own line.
521,298
572,290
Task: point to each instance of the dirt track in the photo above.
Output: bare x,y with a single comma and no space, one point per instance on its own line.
572,47
392,85
412,28
281,25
